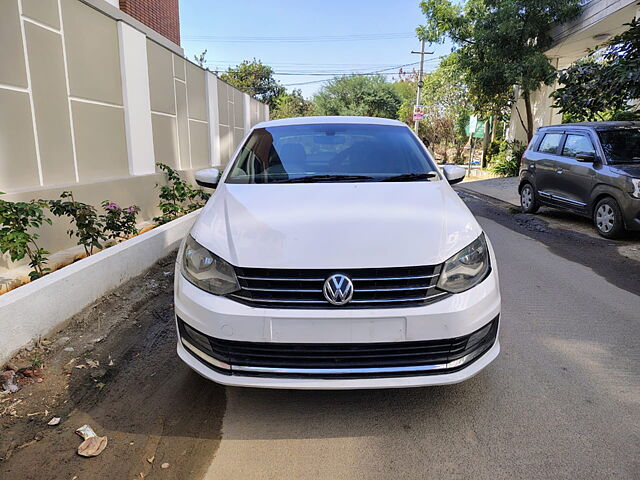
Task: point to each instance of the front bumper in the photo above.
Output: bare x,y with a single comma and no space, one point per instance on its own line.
339,383
631,213
221,318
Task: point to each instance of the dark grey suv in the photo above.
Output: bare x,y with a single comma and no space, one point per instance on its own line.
590,168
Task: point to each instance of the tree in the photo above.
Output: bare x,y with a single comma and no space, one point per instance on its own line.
360,95
602,85
500,44
447,106
201,60
256,79
406,88
292,104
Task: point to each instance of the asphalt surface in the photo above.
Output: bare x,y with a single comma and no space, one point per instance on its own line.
561,401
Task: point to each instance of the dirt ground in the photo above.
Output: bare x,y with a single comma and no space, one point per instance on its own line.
113,367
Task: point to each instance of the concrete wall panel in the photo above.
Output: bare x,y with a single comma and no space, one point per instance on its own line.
12,71
18,161
238,134
165,140
91,41
178,67
43,11
255,111
226,141
183,124
199,135
160,63
223,103
238,108
136,94
196,92
51,106
100,141
213,118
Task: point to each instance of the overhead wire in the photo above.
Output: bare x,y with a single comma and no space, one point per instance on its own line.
300,38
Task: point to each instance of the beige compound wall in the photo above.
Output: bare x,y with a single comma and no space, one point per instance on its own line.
91,99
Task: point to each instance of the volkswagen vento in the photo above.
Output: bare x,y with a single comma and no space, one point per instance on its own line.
335,254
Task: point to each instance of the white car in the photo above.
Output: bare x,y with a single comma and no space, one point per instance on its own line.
335,255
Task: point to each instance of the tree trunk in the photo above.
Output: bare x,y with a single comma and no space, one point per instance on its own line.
494,127
529,113
485,143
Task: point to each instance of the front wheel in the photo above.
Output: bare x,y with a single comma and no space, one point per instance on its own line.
607,218
528,200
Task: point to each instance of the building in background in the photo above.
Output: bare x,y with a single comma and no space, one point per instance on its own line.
92,97
598,22
161,15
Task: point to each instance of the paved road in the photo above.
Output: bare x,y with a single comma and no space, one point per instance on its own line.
562,400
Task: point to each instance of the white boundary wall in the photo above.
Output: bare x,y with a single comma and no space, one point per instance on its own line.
42,307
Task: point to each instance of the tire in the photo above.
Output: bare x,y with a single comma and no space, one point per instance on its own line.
528,199
607,218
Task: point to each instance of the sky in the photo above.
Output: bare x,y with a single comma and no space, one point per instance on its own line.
306,40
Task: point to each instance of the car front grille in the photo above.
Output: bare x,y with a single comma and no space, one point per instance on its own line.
373,287
339,360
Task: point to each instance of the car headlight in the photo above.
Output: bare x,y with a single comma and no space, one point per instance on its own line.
636,187
206,270
466,268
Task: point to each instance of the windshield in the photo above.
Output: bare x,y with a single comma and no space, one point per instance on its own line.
621,145
331,153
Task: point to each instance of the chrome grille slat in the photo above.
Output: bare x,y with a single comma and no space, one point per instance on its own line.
382,279
270,300
399,289
275,279
373,287
384,300
281,290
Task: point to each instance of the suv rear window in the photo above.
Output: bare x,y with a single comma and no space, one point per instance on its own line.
550,143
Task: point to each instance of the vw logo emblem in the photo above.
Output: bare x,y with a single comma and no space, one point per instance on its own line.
338,289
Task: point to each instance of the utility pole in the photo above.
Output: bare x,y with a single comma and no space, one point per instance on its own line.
420,84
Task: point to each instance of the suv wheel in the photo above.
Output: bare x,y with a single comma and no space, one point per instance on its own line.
607,218
528,200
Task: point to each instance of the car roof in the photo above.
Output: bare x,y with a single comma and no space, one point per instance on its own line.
594,125
329,120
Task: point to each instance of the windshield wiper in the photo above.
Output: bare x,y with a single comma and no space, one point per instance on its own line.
325,178
407,177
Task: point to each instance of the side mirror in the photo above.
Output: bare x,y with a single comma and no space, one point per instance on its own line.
454,173
586,157
208,177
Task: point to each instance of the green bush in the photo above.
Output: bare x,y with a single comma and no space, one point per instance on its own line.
17,219
88,225
119,223
506,157
178,197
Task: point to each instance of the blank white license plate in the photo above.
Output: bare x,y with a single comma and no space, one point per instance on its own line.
338,330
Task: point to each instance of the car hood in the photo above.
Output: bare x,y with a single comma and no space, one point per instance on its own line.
631,170
335,225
